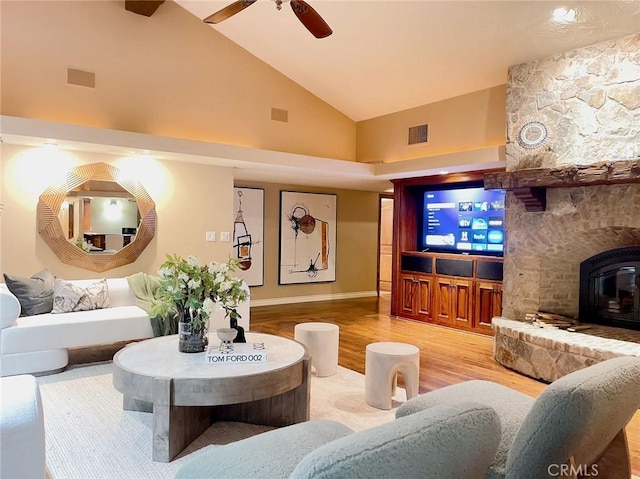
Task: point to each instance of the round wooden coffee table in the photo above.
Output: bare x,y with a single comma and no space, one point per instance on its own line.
186,395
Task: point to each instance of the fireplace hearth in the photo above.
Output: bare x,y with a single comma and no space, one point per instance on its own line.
610,288
550,353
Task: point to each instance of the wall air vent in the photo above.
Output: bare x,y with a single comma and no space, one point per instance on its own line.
279,115
81,78
418,134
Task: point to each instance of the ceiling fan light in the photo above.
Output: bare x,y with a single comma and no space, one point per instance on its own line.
564,15
305,13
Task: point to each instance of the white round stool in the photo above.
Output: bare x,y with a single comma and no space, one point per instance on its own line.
322,340
383,362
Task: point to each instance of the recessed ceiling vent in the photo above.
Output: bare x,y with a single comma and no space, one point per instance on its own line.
81,78
279,115
418,134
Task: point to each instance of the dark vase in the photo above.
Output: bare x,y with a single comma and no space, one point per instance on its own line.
190,339
240,336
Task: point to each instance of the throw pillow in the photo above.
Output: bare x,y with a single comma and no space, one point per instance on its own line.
68,297
35,294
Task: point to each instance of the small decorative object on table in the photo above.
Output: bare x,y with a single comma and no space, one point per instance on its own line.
226,336
240,336
193,291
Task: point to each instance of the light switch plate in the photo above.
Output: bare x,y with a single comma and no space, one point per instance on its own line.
224,236
210,235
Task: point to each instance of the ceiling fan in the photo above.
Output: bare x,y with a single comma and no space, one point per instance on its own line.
305,13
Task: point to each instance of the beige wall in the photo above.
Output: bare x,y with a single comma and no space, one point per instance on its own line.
190,199
170,75
467,122
356,251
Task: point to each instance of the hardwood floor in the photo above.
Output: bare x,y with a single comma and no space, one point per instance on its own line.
447,356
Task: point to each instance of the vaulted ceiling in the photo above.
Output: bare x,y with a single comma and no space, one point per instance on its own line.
388,56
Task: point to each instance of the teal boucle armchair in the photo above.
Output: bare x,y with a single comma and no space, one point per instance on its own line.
444,442
575,426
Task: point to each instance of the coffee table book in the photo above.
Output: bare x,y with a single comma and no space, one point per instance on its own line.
242,353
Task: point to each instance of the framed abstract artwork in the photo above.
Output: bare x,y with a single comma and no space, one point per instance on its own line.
307,237
248,234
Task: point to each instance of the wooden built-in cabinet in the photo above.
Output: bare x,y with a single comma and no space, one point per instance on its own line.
454,290
488,299
457,291
453,301
416,298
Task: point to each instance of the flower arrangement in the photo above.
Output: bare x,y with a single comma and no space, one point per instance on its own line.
81,243
193,291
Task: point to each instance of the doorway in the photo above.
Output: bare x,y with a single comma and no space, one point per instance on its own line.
385,235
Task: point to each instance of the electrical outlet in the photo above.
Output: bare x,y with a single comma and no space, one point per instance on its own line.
224,236
210,235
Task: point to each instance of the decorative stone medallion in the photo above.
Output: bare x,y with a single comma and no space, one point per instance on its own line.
533,135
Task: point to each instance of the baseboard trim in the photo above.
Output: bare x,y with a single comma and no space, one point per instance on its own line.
309,299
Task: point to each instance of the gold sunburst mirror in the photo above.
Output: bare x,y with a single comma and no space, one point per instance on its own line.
78,241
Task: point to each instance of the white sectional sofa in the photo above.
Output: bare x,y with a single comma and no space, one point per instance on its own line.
22,436
36,344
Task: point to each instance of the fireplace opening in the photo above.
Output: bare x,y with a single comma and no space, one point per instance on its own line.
610,288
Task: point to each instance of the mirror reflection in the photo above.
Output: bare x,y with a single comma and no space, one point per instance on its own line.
100,217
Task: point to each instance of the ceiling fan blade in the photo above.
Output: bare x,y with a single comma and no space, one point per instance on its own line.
310,19
229,11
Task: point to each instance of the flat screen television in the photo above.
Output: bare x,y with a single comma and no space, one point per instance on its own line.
465,220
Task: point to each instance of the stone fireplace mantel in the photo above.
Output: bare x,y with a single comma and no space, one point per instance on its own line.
529,185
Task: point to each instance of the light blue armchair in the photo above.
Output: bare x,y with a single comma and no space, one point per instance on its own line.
444,442
576,425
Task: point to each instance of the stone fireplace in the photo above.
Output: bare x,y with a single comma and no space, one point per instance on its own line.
545,249
589,101
610,288
566,202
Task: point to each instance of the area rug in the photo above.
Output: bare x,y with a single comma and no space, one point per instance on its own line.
88,435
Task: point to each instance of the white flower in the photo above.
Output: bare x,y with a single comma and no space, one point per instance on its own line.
164,272
209,307
193,260
213,267
182,276
194,283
